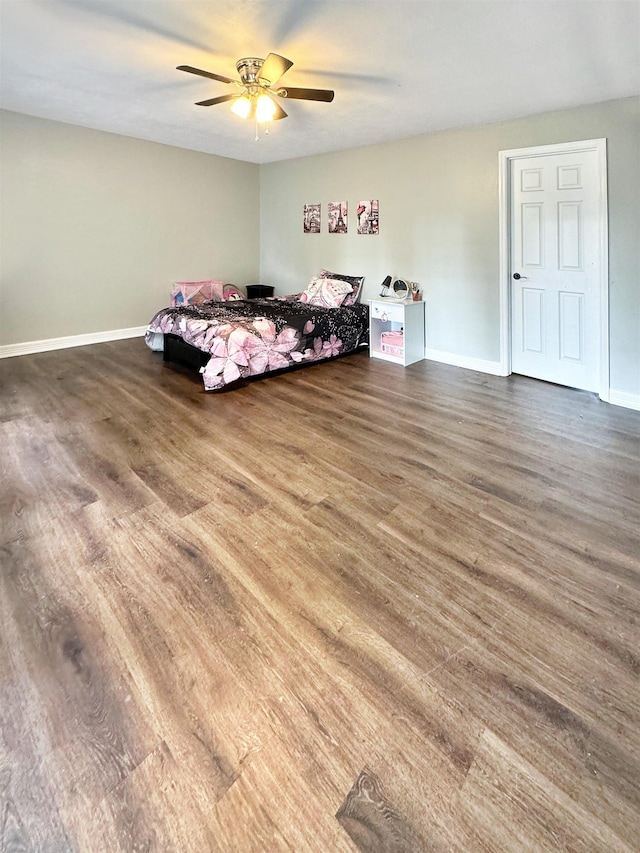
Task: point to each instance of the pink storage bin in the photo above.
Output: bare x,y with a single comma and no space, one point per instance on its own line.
392,343
195,292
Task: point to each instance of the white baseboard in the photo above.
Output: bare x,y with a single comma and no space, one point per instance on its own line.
72,341
616,398
624,398
481,365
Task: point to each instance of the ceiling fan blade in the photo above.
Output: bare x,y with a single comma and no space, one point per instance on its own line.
219,100
274,67
202,73
306,94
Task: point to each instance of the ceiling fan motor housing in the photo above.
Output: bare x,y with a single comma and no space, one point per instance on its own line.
248,69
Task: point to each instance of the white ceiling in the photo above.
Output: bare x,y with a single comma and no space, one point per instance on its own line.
399,67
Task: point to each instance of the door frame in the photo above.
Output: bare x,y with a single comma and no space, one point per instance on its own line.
505,159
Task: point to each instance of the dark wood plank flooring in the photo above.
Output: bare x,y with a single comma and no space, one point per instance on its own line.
351,608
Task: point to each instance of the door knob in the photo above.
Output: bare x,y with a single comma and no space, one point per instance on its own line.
517,276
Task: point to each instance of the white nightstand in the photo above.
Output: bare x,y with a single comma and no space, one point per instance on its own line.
397,330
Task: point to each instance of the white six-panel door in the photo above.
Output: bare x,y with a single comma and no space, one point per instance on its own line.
556,267
555,295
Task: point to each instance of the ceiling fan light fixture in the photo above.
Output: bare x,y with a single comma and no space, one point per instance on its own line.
241,106
260,90
265,108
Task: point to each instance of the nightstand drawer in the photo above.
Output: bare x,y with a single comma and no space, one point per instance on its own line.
391,312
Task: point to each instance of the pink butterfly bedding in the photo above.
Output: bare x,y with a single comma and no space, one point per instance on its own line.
252,337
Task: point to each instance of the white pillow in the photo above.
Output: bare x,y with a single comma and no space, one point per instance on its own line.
326,292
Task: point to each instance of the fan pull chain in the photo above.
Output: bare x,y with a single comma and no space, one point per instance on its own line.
266,130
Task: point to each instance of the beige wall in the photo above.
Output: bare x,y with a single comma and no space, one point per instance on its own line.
94,227
439,223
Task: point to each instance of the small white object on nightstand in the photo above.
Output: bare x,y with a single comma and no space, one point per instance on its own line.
397,330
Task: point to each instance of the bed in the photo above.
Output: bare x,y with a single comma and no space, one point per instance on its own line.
229,341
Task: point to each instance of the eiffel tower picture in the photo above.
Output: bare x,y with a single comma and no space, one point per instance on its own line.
337,215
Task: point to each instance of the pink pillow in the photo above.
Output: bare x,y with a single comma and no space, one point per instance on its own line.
356,281
326,292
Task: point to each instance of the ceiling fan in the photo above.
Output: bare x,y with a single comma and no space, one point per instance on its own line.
257,85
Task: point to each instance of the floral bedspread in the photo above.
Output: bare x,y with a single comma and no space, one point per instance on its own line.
252,337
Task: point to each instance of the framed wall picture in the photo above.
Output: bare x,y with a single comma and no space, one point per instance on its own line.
311,219
337,215
368,216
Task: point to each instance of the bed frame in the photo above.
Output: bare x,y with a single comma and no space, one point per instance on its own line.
176,350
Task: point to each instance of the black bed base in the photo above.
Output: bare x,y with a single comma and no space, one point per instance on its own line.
176,350
186,355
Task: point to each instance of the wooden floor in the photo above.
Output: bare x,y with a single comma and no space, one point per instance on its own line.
352,608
